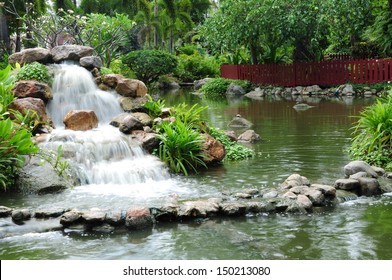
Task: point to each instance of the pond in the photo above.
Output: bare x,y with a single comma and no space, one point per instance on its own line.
310,143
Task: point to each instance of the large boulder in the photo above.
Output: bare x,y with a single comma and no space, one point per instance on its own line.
239,121
30,55
144,118
91,62
81,120
295,180
359,166
111,80
249,136
131,88
24,105
70,52
129,124
40,177
200,83
34,89
235,90
213,150
133,104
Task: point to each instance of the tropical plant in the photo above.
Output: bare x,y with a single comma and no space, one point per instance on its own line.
180,147
372,141
153,107
34,71
190,115
196,66
14,144
148,65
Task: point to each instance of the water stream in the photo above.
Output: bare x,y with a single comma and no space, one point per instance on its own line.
119,174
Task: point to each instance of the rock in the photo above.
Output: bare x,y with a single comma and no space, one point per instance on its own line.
51,213
133,104
242,195
260,207
233,209
30,55
115,218
239,121
295,180
148,141
199,209
327,190
357,166
348,90
71,217
358,175
304,201
129,124
347,184
166,213
144,118
38,177
91,62
20,215
299,189
231,134
118,120
37,105
111,80
270,194
81,120
289,195
200,83
5,211
380,171
70,52
131,88
369,186
138,218
314,88
302,106
34,89
93,217
256,94
249,136
235,90
213,150
104,228
315,196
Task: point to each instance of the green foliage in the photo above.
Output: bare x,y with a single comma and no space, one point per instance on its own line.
118,67
55,159
34,71
216,88
196,66
6,96
180,147
14,144
154,108
234,150
190,115
380,33
373,134
148,65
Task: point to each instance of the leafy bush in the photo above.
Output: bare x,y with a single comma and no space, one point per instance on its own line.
234,150
13,145
195,67
216,88
180,147
118,67
34,71
148,65
373,134
153,107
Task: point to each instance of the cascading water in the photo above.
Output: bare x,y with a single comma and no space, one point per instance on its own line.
107,161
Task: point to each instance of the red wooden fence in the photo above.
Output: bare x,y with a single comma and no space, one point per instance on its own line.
313,73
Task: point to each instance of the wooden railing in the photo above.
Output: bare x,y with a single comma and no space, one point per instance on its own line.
333,72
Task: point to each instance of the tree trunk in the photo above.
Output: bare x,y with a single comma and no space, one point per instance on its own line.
253,52
4,35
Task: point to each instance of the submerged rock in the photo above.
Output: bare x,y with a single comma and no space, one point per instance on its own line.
249,136
239,121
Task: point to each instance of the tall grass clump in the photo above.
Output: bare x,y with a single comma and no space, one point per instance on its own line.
372,141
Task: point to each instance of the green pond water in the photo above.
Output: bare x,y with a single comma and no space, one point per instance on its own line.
310,143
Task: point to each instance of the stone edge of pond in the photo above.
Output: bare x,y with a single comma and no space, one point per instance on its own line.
296,195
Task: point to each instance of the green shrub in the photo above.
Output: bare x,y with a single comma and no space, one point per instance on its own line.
195,67
372,141
216,88
118,67
14,144
180,147
105,71
190,115
154,108
148,65
34,71
234,150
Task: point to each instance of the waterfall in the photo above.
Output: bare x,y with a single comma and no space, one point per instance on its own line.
103,155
